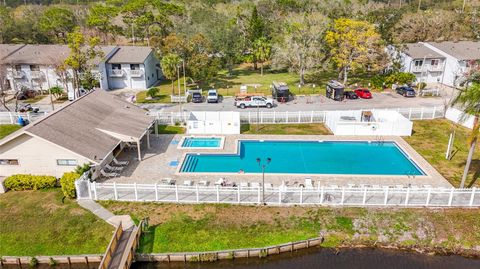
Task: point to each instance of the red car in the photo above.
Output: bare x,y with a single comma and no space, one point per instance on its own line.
363,93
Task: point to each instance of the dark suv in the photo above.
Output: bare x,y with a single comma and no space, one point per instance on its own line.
197,97
406,91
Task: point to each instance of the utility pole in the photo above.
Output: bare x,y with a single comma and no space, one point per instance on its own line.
178,80
419,4
184,79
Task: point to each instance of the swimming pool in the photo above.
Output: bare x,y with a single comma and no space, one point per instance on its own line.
202,142
307,157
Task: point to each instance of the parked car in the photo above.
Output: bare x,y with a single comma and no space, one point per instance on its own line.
212,96
363,93
25,94
197,97
406,91
244,101
28,108
350,95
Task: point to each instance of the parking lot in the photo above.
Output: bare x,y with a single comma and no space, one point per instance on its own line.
309,103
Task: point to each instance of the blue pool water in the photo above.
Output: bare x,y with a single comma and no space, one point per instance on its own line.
308,157
201,142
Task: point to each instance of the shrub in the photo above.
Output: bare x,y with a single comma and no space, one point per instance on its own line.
68,184
29,182
152,92
33,262
399,78
421,85
81,169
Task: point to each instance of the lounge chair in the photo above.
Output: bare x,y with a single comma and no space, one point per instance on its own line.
255,185
427,186
351,186
244,184
308,183
376,186
333,186
121,163
268,186
220,181
203,183
114,168
108,175
187,183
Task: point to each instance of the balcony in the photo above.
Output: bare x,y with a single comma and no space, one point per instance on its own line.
417,69
16,74
435,68
117,73
137,73
37,75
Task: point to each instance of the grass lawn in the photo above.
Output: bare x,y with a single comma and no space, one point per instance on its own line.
6,129
285,129
229,84
38,223
430,139
179,228
168,129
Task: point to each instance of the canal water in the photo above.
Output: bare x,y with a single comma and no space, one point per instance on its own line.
328,259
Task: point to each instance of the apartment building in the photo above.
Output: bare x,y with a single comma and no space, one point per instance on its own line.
440,62
36,67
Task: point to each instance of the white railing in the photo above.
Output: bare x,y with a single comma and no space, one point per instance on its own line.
321,195
37,74
12,117
275,117
136,73
178,98
18,74
117,73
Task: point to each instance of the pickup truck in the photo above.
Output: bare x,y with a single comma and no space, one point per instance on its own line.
253,101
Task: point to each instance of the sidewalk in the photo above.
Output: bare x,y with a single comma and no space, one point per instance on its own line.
106,215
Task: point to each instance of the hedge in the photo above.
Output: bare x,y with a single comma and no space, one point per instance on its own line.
29,182
68,184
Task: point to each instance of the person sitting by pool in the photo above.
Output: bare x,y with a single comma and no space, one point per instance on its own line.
241,171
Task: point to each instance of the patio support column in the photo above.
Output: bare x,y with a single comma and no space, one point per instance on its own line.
156,127
139,151
148,139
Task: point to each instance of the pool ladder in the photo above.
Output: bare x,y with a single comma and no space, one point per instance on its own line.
380,139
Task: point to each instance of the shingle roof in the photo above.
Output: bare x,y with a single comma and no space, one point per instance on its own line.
462,50
130,54
78,126
7,49
38,54
420,51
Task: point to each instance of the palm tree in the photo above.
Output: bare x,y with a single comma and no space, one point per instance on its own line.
263,51
469,100
169,65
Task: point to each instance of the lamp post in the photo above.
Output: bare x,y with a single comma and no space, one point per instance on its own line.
263,166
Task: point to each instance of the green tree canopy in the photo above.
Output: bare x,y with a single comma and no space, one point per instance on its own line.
355,45
101,17
57,22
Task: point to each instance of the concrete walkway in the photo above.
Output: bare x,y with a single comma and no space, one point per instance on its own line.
106,215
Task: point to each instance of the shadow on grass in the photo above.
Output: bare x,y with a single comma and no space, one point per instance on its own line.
148,240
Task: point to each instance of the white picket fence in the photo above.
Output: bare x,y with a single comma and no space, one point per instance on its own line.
321,195
253,116
276,117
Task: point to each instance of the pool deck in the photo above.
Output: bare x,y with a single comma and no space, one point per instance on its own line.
157,164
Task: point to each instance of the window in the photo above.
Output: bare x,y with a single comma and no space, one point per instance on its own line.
418,63
434,62
18,68
34,67
116,66
67,162
134,67
9,162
